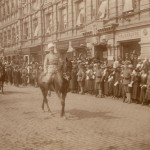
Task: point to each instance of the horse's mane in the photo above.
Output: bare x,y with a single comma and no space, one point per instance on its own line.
2,78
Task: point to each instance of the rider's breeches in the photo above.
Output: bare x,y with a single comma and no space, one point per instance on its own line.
48,72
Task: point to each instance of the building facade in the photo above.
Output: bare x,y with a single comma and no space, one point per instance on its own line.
105,29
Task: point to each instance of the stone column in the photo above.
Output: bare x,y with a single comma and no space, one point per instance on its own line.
110,53
145,50
145,44
55,21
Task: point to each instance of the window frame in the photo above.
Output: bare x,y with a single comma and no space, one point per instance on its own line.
34,25
78,11
62,26
26,30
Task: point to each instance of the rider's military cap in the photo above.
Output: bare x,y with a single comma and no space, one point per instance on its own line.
50,45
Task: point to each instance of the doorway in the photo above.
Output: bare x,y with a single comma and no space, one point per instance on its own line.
100,52
130,48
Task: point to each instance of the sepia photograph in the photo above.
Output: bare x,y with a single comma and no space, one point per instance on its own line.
74,74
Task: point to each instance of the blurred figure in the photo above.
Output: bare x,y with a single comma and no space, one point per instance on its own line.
143,85
147,95
98,81
136,79
126,80
74,83
81,78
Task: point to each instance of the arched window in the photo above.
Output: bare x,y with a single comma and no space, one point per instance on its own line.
48,23
81,13
128,6
102,9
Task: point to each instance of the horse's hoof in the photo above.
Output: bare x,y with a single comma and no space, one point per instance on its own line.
52,115
64,117
49,112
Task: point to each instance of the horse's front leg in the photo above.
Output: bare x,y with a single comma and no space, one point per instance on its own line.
2,88
62,99
63,105
44,92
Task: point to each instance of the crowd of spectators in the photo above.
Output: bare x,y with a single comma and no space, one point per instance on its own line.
128,79
22,74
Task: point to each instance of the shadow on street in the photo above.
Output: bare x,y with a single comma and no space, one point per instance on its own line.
14,92
82,114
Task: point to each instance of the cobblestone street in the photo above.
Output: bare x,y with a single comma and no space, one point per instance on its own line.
92,123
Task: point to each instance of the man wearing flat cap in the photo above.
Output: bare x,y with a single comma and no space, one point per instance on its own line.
50,61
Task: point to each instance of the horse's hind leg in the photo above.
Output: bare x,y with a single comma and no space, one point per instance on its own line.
46,100
63,104
2,88
43,98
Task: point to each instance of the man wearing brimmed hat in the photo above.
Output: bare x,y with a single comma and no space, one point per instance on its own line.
127,71
50,61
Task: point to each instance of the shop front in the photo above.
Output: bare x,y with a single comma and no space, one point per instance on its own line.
130,48
80,47
35,54
129,44
10,56
101,52
62,48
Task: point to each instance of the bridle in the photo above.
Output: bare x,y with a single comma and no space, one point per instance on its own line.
66,72
1,71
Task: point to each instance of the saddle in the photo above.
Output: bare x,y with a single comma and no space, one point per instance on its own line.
49,78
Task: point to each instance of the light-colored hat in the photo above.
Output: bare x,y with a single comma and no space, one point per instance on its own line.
50,45
130,66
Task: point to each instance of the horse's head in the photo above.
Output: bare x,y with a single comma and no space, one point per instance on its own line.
67,68
1,71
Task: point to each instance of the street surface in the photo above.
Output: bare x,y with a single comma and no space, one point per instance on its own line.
92,123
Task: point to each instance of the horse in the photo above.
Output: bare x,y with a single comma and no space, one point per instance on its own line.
59,83
2,78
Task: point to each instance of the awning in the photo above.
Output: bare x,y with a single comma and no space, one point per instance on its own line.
24,51
62,45
34,50
77,43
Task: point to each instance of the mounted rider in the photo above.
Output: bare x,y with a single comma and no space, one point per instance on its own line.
50,62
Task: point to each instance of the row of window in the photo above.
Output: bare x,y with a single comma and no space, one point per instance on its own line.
128,6
11,6
9,37
7,8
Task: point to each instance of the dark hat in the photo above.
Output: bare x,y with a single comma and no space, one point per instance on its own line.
135,54
81,65
74,67
137,70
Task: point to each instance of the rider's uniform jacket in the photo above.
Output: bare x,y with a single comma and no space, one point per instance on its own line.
50,63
